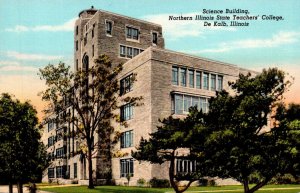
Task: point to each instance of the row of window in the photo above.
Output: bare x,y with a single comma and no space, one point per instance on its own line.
196,79
181,103
185,166
62,171
126,167
126,139
182,166
129,52
131,32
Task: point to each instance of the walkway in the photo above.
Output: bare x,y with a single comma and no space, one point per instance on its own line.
4,189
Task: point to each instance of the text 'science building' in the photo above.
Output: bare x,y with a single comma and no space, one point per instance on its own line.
169,82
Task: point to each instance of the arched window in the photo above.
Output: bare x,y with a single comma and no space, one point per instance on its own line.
85,62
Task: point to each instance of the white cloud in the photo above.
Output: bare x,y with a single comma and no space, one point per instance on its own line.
276,40
18,68
67,26
25,56
174,29
7,63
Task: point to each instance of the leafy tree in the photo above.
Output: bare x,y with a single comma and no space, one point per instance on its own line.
165,146
238,143
94,95
23,156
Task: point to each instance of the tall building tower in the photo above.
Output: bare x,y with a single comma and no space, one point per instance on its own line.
119,37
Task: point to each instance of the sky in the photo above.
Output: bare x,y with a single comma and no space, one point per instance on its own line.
38,32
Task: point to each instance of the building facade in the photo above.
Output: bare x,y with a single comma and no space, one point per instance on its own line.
169,82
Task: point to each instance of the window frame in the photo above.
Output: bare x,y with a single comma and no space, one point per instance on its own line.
130,33
108,24
154,38
126,167
126,139
126,112
175,75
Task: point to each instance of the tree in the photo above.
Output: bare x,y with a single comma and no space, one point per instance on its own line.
23,156
94,95
170,142
238,143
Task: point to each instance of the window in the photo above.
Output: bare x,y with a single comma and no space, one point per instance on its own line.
174,75
76,67
136,51
75,170
203,105
51,173
126,84
178,104
76,45
60,152
182,76
213,82
126,167
108,27
60,171
220,83
187,103
205,81
77,30
93,50
93,30
51,141
182,103
122,51
191,78
126,112
127,139
132,33
85,62
51,125
154,37
198,80
129,52
185,166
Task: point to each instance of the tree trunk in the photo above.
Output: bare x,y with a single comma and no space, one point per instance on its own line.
91,184
10,187
246,186
20,187
171,173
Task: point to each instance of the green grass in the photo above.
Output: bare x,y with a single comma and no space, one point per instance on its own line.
123,189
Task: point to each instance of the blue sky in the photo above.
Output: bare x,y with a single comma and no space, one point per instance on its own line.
37,32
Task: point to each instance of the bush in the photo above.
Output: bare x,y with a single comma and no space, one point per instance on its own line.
284,179
203,182
211,182
159,183
141,182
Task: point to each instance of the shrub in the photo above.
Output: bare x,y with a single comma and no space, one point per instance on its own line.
211,182
159,183
141,182
284,179
203,182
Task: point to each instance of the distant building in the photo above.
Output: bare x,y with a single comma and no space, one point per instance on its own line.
169,82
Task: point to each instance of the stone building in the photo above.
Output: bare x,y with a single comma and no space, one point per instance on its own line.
169,82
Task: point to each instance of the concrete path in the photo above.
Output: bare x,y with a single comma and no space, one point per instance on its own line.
4,189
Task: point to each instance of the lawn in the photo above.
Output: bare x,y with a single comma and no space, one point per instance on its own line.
122,189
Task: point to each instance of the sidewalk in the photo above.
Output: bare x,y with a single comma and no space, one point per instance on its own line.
4,189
